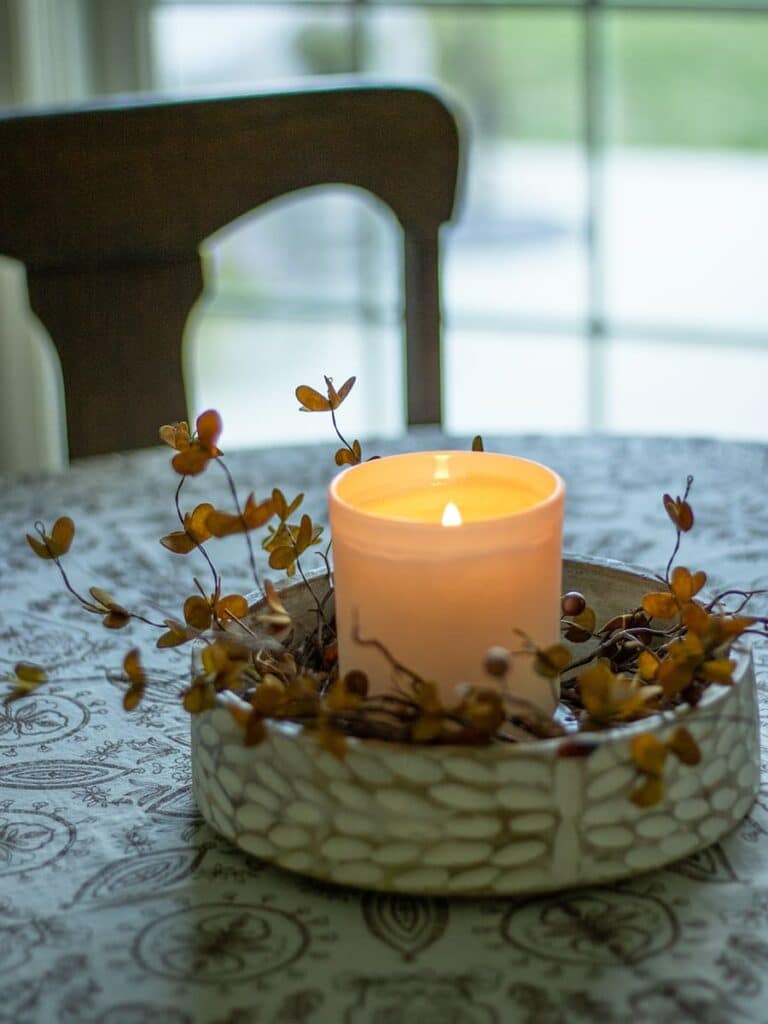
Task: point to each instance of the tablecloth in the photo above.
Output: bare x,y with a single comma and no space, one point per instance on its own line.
118,905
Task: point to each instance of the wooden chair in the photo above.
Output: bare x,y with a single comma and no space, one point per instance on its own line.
106,207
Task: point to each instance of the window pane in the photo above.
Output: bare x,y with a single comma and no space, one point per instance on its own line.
664,387
249,369
306,267
290,294
693,4
235,46
308,284
498,382
686,205
518,246
332,252
329,250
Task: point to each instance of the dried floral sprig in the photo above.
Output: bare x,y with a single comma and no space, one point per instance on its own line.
24,680
650,754
646,660
312,401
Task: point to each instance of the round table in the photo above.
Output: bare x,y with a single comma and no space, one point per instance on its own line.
120,906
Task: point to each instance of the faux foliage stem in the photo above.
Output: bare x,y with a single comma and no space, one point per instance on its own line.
251,556
198,545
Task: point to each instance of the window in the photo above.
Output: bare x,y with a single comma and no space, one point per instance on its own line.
606,269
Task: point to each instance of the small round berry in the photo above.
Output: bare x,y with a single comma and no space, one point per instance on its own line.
573,603
497,661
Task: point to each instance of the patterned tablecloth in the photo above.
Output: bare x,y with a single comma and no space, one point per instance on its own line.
119,906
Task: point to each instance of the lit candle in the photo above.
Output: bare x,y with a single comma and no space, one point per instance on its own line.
441,555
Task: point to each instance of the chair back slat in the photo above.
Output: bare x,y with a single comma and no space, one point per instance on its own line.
107,206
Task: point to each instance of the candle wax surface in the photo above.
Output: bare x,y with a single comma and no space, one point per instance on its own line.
476,497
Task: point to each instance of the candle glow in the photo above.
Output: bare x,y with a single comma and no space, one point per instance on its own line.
439,598
451,515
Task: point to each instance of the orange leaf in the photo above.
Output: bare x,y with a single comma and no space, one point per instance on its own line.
257,514
233,606
268,695
175,636
209,429
38,547
552,661
30,673
215,658
197,612
732,627
718,670
684,746
619,622
103,597
191,461
293,506
695,618
581,626
255,730
344,457
281,505
304,536
660,606
59,541
607,695
277,617
61,535
311,400
132,697
648,666
224,524
240,714
132,667
333,396
26,679
343,391
282,558
254,515
116,618
674,675
179,542
648,753
649,793
199,698
195,522
680,512
176,435
685,585
273,598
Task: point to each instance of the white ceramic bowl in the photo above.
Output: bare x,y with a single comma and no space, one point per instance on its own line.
498,819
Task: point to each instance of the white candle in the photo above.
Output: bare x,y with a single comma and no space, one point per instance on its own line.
441,555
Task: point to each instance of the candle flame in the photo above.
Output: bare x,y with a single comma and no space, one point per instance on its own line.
451,515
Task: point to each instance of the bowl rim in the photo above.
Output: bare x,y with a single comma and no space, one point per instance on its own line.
543,749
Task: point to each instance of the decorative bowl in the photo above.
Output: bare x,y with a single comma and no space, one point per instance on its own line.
504,818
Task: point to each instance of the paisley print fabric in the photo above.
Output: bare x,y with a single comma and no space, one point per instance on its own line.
119,906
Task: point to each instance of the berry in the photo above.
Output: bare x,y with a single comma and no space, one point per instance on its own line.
497,661
573,603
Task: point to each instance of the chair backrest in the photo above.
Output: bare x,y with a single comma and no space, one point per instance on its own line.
107,205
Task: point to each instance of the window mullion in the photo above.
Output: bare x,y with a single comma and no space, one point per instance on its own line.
593,85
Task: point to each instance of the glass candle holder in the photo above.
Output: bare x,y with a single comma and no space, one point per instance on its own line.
439,556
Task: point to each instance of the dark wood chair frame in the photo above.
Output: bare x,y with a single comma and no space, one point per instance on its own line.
106,206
